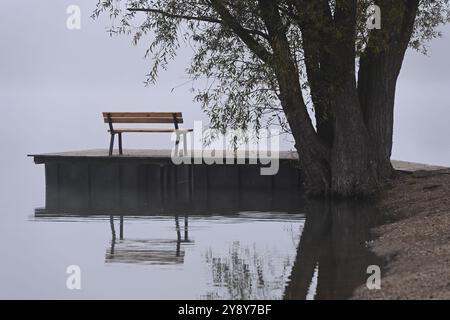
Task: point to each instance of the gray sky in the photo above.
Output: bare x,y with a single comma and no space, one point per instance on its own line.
54,83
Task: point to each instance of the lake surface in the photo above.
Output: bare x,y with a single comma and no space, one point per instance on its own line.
54,85
226,250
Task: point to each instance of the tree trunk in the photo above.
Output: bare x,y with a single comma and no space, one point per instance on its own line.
377,83
314,155
349,154
352,173
379,69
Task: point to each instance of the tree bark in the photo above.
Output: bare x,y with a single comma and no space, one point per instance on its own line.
377,85
379,69
313,152
315,21
352,173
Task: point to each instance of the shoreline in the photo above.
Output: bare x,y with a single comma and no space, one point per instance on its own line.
414,243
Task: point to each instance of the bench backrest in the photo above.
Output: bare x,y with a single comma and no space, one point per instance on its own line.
143,117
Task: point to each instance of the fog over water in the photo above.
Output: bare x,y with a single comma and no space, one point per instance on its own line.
54,84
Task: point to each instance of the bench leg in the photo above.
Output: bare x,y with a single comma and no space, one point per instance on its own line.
177,142
111,144
120,144
185,151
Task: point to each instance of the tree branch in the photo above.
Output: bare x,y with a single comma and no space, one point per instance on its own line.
192,18
176,16
316,24
397,26
287,74
244,34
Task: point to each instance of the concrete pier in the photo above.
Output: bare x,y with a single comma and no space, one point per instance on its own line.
148,183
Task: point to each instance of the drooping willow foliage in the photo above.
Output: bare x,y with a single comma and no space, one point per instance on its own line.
235,88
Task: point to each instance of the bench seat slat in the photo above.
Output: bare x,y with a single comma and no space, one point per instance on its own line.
142,114
151,130
143,120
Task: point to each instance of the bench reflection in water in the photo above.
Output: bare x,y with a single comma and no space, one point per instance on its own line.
147,251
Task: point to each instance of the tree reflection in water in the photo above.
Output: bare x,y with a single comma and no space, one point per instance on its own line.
247,273
331,258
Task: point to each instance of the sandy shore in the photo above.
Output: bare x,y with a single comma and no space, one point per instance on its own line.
415,244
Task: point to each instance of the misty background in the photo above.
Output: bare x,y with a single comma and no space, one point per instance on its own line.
55,82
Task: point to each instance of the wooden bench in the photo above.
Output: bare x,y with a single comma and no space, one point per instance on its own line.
174,118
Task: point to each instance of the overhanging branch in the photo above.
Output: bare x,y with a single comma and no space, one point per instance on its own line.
192,18
230,21
176,16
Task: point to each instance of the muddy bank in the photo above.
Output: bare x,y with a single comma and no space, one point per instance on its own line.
415,244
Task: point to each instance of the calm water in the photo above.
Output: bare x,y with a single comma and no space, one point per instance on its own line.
226,250
309,251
